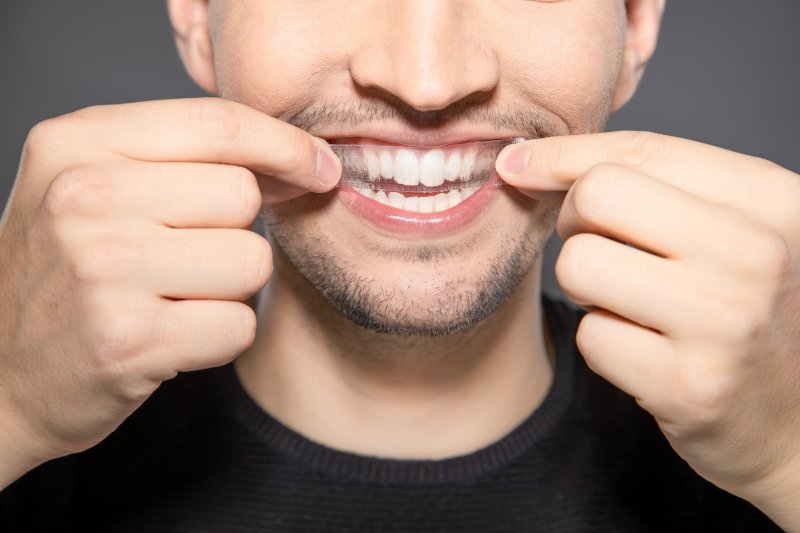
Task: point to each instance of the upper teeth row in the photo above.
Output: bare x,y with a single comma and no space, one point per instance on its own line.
429,168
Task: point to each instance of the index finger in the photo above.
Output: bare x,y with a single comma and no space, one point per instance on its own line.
212,130
554,163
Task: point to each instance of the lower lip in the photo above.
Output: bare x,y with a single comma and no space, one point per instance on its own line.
398,222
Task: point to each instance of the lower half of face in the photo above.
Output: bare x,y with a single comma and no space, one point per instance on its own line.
369,263
390,73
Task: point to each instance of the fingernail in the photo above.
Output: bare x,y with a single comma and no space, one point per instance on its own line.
328,169
514,159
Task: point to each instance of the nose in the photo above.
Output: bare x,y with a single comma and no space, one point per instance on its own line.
427,53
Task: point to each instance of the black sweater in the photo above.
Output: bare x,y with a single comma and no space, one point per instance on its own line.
200,455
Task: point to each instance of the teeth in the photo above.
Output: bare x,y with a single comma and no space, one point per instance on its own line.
414,167
396,200
411,203
406,168
369,193
418,168
431,168
441,202
467,165
373,165
454,198
426,204
419,204
386,165
381,197
453,168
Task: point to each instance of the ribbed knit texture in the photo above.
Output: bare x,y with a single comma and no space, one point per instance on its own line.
201,456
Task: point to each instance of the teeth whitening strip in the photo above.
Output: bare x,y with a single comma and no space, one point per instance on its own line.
403,169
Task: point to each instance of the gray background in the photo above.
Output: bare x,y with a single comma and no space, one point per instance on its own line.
727,72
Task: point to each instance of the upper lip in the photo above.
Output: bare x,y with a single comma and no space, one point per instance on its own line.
396,135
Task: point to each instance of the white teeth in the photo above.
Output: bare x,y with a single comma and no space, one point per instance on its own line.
467,165
386,165
426,204
441,202
373,165
406,168
431,168
381,197
396,200
412,168
369,193
420,204
454,198
453,166
411,203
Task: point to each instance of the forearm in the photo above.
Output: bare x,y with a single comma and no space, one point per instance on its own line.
785,514
780,499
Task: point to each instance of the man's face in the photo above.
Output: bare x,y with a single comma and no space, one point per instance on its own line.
418,73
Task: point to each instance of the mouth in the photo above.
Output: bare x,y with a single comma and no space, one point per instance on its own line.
419,190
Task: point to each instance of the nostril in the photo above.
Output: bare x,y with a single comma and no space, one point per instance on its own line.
427,59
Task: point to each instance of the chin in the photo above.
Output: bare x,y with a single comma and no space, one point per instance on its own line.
409,287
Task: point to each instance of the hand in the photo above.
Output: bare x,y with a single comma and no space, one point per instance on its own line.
699,320
126,254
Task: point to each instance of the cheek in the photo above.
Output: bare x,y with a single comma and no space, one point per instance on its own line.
569,63
264,54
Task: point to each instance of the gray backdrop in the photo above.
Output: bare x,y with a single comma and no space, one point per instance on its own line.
727,72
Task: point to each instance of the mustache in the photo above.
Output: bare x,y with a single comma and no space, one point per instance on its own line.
535,123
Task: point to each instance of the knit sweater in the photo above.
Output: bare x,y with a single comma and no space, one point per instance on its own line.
200,455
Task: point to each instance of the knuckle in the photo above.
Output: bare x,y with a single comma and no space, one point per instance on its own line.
772,253
764,258
247,195
105,260
74,191
49,134
243,330
783,208
220,122
298,151
258,263
248,325
636,148
554,154
42,136
592,193
119,336
589,338
742,323
572,263
705,392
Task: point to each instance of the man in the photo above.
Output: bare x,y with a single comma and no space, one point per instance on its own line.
398,372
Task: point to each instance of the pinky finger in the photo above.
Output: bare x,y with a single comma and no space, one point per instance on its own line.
632,357
198,334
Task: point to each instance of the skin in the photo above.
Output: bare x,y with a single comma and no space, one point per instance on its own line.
712,355
104,311
363,390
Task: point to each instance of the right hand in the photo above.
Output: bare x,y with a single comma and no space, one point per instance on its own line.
125,256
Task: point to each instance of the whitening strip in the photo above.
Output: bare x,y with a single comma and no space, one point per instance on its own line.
406,169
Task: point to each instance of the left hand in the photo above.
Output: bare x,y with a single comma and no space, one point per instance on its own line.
699,320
